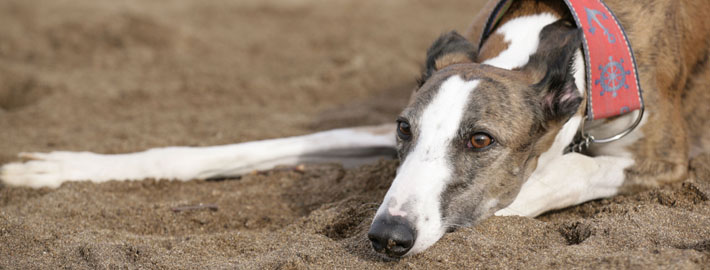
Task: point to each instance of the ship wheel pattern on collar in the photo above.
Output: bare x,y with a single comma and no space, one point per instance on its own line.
613,77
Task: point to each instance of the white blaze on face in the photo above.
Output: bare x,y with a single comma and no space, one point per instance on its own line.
426,169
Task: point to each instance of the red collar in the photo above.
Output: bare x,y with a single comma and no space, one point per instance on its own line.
612,78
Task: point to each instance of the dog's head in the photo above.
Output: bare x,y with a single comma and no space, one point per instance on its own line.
471,136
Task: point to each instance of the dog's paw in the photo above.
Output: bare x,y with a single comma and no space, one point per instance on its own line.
31,174
48,169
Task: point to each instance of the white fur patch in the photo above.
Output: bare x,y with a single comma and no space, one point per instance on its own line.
523,37
568,180
580,72
426,170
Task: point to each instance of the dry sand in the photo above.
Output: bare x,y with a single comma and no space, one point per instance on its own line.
121,76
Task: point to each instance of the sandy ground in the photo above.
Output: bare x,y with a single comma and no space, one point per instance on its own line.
122,76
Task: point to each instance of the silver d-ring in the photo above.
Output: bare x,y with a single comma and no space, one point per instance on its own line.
628,130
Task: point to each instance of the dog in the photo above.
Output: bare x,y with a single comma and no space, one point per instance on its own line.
486,130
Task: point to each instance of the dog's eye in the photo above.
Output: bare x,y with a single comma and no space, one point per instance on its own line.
404,130
480,141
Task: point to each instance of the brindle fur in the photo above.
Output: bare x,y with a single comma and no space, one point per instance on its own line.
671,50
671,45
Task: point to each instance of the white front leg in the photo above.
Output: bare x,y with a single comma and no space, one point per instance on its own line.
352,146
568,180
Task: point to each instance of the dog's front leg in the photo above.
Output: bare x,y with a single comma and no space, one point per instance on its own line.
352,146
568,180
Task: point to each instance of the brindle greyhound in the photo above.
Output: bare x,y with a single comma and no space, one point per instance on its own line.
486,130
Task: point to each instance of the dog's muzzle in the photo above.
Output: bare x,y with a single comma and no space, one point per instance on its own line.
393,236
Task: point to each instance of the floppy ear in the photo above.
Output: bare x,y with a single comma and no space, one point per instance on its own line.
551,68
450,48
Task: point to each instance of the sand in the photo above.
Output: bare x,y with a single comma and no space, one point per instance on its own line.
122,76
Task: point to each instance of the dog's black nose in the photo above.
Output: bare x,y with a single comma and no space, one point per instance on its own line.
393,236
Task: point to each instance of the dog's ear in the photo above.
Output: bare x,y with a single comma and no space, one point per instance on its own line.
551,69
450,48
